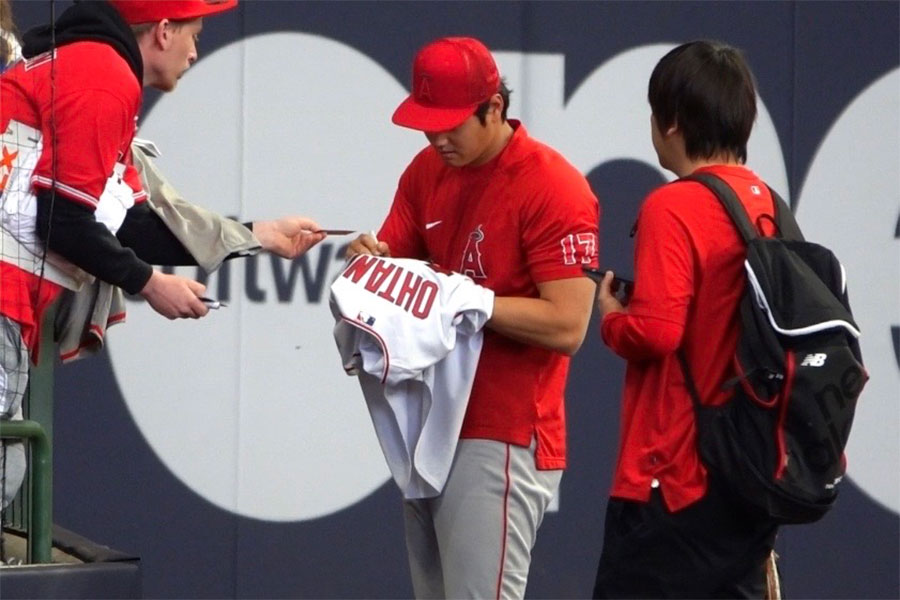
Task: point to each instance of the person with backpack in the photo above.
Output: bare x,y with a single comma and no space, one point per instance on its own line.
672,528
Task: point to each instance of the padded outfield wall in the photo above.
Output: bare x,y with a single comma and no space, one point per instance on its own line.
235,457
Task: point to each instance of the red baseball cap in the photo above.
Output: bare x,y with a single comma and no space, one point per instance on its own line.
148,11
451,77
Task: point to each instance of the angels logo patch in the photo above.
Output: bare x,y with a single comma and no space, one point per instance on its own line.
471,261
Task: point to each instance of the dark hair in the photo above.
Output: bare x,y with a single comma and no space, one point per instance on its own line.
481,111
8,26
707,89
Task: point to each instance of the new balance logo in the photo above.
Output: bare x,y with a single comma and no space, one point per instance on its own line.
814,360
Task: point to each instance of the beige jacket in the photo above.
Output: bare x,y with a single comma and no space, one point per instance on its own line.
82,317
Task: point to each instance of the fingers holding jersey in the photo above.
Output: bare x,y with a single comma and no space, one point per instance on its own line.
367,244
175,297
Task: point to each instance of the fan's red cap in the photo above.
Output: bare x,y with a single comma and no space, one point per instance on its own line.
147,11
451,77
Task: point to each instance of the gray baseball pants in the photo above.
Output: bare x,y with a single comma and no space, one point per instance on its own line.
475,539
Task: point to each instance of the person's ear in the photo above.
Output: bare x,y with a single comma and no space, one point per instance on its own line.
497,105
162,34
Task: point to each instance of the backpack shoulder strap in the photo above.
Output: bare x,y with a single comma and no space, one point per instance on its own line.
729,201
741,220
784,218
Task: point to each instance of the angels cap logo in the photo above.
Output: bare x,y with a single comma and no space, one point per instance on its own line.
424,90
471,261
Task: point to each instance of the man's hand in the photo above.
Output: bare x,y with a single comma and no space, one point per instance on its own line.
175,297
606,299
288,237
367,244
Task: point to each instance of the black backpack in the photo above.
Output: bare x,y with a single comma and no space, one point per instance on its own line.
779,440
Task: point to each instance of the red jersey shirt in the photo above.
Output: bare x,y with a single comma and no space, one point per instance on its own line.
689,278
89,98
525,217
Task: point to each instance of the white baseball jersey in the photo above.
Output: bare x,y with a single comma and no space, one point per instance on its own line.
413,336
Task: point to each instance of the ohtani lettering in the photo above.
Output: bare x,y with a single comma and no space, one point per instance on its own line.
415,295
380,273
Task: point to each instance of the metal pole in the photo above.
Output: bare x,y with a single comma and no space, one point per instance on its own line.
40,519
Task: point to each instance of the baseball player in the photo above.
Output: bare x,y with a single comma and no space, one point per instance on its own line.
490,202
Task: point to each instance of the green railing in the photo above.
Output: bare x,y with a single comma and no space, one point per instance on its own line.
33,507
40,475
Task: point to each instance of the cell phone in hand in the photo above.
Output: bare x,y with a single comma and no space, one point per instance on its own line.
212,303
620,285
